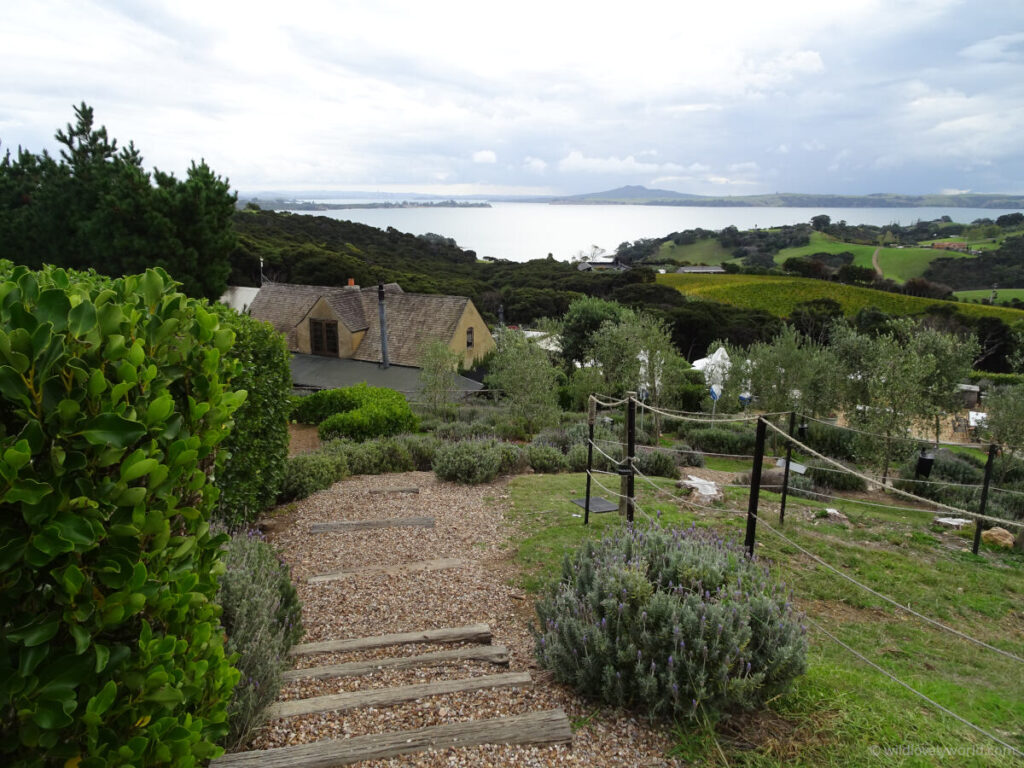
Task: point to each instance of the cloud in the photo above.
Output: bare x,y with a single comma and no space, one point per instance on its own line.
999,48
576,161
534,164
485,156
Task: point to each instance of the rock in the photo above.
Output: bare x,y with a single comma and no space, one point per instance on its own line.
702,491
952,522
999,537
835,516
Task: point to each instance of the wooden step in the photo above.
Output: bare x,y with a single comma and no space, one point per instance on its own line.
385,697
361,525
538,728
405,489
471,633
495,654
416,566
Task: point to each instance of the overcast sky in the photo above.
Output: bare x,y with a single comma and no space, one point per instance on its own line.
704,96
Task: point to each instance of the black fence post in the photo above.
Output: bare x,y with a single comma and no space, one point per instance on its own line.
591,418
630,452
984,495
785,472
755,487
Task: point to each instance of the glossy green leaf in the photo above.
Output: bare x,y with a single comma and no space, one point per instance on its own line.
82,318
114,430
53,307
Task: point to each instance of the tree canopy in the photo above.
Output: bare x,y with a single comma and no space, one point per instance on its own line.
95,207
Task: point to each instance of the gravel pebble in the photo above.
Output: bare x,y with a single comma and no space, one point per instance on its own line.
469,524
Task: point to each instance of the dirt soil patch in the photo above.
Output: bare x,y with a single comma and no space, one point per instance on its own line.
302,438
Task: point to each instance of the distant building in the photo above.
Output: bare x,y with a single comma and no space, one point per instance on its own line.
602,266
344,322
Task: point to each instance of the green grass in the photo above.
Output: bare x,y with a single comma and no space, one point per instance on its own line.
842,712
901,264
1002,294
822,243
708,252
779,294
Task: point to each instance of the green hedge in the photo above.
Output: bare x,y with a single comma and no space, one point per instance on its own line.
257,448
358,413
114,398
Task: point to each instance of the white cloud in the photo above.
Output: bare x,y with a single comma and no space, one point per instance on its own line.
485,156
956,191
534,164
576,161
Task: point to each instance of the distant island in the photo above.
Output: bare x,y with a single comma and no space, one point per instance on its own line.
306,205
638,195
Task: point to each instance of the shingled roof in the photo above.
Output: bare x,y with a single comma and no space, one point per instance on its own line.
414,319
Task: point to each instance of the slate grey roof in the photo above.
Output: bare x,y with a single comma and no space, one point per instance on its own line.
333,372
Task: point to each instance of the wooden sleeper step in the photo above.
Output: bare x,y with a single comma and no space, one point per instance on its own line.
471,633
495,654
537,728
384,697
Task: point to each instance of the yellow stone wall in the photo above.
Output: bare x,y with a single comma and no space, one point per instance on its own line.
483,342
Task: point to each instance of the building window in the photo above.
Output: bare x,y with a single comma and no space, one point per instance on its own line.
469,338
323,337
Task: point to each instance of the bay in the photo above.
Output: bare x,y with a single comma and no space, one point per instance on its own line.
524,231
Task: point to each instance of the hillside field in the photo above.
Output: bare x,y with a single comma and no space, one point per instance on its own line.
708,252
1002,294
778,295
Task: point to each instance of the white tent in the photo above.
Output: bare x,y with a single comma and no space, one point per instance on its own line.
714,367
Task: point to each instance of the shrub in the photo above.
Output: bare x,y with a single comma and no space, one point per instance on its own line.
469,461
461,430
655,461
832,441
315,407
513,459
512,429
360,412
379,412
257,448
308,473
672,623
576,458
263,619
421,450
721,439
114,398
688,457
826,476
374,457
546,459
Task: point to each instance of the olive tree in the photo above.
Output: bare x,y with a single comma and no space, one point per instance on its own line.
527,379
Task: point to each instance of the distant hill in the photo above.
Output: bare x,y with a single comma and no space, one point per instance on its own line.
638,195
629,194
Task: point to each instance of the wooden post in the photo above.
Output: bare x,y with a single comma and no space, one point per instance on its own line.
755,487
984,495
785,472
631,451
626,469
591,418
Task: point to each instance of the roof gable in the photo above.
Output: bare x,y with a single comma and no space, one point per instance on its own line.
414,320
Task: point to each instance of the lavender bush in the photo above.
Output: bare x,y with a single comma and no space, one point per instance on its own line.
263,619
675,623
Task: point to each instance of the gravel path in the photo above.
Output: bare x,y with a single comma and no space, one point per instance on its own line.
469,524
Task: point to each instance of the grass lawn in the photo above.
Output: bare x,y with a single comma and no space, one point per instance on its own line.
1002,294
842,712
901,264
708,252
822,243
